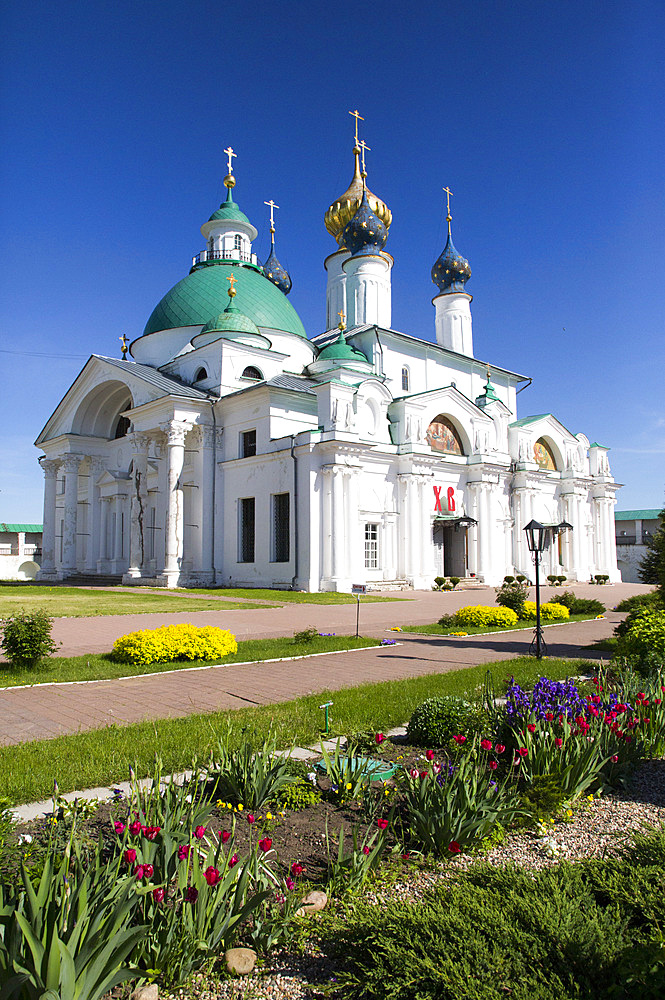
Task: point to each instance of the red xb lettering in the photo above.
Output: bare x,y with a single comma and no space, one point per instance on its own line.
437,498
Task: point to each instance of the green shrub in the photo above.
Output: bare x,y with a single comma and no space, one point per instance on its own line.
173,642
542,798
306,635
26,638
446,621
650,600
437,720
580,605
549,612
484,616
455,580
568,931
642,633
509,579
300,795
439,581
512,594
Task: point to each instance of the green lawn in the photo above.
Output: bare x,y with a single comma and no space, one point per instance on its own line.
103,756
99,666
75,602
290,596
436,629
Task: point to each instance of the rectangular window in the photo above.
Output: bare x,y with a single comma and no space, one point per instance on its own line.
371,546
247,523
247,444
281,533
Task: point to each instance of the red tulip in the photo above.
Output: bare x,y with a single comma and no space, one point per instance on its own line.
211,875
486,744
430,755
379,738
183,852
558,742
148,871
265,844
614,759
493,765
365,849
250,818
233,861
119,827
225,836
531,727
454,847
296,869
499,748
382,823
191,895
135,827
199,832
130,855
158,895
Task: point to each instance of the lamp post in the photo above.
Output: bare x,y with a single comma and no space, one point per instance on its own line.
538,537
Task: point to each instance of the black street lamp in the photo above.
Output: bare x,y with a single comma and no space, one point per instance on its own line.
538,537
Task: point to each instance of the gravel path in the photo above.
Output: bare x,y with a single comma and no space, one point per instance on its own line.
596,829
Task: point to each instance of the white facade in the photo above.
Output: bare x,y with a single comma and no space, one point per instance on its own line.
20,551
254,456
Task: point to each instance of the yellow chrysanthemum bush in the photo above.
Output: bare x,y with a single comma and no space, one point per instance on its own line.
549,612
174,642
484,616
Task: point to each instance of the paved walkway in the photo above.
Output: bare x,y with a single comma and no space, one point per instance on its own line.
51,710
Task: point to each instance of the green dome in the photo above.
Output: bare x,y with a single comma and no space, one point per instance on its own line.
231,319
204,292
229,211
339,350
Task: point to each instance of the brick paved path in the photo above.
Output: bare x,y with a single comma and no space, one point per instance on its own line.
50,710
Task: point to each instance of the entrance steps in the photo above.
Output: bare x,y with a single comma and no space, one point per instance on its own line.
379,586
93,580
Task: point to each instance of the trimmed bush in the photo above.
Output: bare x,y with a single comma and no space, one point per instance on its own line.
638,601
437,720
483,616
580,605
642,633
549,612
512,594
174,642
26,638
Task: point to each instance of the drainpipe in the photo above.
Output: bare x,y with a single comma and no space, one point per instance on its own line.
295,511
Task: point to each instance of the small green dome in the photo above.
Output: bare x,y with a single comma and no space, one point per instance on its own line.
339,350
203,293
231,320
229,211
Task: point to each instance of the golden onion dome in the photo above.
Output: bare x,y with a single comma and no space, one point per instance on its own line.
343,210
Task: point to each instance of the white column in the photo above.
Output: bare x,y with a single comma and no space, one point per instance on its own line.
473,536
326,523
95,467
336,287
453,322
176,432
70,464
138,507
204,564
368,294
105,505
413,541
117,542
426,541
218,532
50,468
337,525
355,544
389,560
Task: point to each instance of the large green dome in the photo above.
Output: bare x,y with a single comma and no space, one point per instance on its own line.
204,293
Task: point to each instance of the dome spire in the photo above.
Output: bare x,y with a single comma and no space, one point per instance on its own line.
451,271
272,268
344,208
229,180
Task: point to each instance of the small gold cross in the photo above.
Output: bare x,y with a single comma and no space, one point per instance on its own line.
448,196
125,346
357,117
229,152
271,205
232,281
342,324
363,145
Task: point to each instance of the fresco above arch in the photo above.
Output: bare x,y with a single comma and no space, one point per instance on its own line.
443,436
544,456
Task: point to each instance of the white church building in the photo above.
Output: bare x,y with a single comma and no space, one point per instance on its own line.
234,450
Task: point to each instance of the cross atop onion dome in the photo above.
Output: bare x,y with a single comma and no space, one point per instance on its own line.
345,207
272,268
451,271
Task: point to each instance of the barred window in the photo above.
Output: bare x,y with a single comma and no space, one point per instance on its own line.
247,444
247,525
281,528
371,546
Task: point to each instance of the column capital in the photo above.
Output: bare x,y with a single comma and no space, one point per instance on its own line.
207,435
176,431
140,442
96,463
49,466
70,463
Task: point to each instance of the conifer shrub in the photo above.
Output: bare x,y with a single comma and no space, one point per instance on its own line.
26,638
436,721
484,616
580,605
642,634
174,642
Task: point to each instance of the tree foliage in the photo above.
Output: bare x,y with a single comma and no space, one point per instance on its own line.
652,567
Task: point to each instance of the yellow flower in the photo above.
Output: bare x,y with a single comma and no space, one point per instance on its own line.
387,791
220,804
569,812
240,807
268,815
590,798
229,806
396,628
348,785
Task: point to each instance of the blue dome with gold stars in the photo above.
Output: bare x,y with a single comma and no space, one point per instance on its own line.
274,271
451,271
365,234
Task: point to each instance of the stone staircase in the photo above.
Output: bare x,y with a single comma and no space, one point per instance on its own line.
93,580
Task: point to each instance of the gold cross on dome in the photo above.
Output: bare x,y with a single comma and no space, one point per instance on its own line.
232,280
358,117
448,197
124,348
230,154
363,146
342,324
271,205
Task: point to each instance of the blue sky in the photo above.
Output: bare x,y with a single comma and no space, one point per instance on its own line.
544,119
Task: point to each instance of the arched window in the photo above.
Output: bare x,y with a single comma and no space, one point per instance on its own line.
544,456
405,379
200,375
443,436
211,244
252,372
237,242
121,428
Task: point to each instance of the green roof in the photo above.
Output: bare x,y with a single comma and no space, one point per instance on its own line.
339,350
229,211
231,319
636,515
204,293
529,420
29,528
